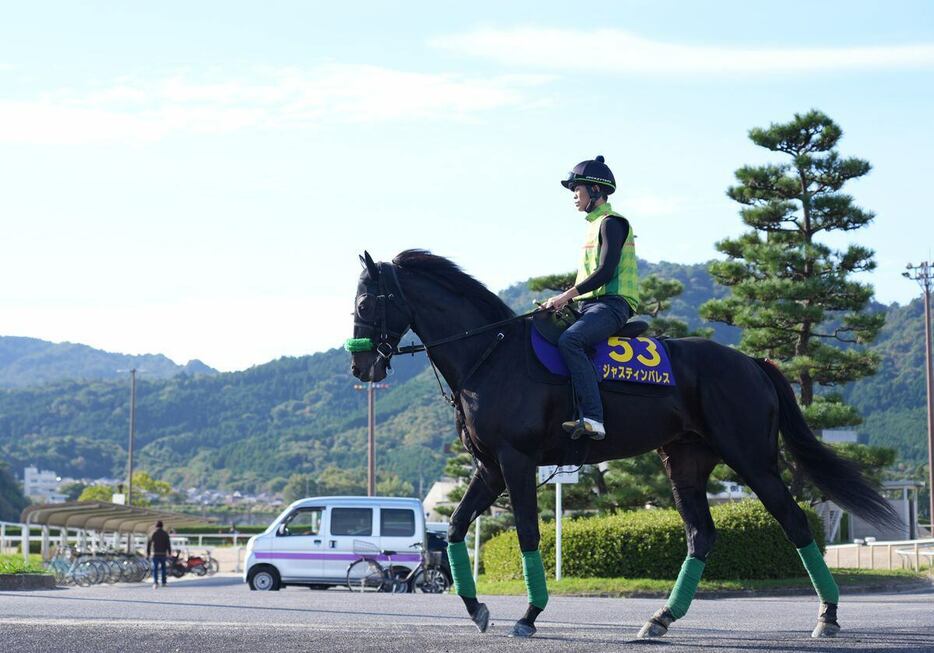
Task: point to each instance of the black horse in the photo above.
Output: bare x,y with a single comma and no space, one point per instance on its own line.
726,407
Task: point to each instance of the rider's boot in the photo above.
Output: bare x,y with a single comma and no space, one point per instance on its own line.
585,426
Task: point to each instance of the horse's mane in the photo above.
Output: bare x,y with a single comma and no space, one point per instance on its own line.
448,274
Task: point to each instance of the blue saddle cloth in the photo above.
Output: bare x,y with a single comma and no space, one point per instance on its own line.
636,360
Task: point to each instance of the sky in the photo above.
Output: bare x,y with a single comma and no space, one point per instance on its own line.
198,179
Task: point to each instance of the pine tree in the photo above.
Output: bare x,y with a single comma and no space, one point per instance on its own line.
794,296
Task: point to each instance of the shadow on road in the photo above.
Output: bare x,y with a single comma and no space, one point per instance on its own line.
252,608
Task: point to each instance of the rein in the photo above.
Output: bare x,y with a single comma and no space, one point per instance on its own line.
386,350
414,349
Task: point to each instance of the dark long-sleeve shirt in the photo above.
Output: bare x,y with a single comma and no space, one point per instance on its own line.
159,543
613,233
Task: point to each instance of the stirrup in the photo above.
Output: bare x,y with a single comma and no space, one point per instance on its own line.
580,428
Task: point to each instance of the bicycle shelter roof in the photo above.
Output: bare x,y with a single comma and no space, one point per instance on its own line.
104,516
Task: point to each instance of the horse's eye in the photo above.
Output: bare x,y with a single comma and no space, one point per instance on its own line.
364,308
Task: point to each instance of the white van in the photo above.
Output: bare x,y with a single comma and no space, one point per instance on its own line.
314,540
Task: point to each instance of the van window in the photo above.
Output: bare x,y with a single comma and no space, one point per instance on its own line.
304,521
396,522
351,521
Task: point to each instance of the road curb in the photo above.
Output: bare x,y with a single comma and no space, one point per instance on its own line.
27,582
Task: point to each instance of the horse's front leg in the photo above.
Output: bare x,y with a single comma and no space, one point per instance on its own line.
485,486
519,472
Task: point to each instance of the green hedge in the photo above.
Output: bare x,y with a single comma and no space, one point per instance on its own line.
651,544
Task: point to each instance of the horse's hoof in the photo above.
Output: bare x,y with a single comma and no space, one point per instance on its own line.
657,626
826,629
522,630
652,629
481,617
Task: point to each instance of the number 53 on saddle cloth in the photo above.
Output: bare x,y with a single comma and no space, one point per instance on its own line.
618,358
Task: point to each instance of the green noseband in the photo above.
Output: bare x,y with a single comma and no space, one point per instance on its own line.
353,345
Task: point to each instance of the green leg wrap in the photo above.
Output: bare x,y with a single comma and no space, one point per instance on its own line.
534,572
820,575
460,570
683,592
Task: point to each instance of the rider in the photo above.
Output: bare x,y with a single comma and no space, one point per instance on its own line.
607,284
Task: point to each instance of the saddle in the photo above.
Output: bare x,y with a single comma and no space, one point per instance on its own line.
550,325
624,359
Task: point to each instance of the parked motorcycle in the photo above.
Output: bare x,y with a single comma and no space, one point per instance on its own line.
178,567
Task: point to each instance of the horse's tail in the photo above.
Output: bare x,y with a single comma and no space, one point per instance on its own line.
838,478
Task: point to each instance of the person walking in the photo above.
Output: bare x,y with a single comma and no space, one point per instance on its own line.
160,545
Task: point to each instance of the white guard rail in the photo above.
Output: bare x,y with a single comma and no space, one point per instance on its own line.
16,537
870,554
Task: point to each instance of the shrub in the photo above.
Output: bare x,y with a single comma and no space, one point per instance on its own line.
651,544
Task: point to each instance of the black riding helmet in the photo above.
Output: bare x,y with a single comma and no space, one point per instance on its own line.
592,172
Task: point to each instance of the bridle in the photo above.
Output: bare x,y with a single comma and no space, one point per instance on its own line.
384,347
378,318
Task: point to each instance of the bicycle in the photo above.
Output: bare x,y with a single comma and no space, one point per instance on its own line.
366,574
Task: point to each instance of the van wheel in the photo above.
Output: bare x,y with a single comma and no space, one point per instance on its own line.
264,579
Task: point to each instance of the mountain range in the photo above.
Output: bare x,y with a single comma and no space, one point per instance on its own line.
251,429
30,361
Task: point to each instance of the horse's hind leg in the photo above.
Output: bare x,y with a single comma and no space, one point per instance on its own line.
771,490
519,472
688,465
485,486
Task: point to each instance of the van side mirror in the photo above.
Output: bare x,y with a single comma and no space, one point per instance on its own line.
282,530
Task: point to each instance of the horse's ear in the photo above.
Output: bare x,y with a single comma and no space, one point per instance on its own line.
370,265
362,262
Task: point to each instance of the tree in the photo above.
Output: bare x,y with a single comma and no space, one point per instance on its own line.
793,296
12,500
145,488
872,460
97,492
148,488
72,490
299,486
390,485
338,481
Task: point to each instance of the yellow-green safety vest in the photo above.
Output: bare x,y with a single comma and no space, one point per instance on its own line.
625,280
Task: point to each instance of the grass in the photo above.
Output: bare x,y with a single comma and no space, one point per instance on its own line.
13,564
846,578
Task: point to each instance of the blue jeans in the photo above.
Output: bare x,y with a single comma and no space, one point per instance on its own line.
600,319
157,562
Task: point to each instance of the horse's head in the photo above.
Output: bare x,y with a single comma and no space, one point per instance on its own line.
381,317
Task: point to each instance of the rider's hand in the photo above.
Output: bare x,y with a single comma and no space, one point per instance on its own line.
560,301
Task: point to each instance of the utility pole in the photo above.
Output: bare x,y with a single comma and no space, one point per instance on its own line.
129,481
371,389
924,274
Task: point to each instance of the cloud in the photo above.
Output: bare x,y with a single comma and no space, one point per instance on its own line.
135,110
620,52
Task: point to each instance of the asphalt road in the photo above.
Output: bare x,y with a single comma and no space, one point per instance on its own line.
221,614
